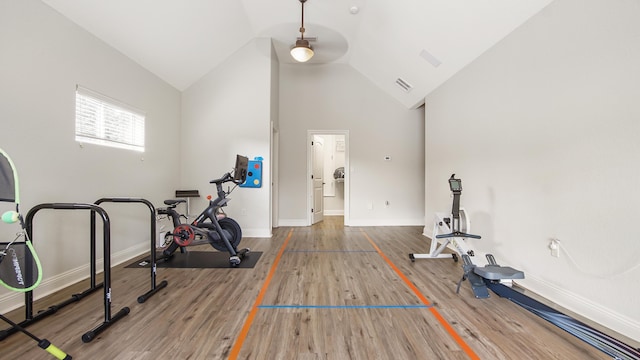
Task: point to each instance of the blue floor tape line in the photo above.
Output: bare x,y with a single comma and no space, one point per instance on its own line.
601,341
344,306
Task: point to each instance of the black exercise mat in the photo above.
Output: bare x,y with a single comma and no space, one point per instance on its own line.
197,260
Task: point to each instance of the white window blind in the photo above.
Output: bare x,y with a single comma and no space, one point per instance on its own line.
104,121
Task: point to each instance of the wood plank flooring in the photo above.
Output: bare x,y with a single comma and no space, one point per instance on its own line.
332,295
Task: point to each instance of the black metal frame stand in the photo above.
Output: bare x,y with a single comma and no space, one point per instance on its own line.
154,287
106,284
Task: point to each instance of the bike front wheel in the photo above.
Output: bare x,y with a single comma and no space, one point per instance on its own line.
232,231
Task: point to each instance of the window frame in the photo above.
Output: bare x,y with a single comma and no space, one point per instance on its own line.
102,120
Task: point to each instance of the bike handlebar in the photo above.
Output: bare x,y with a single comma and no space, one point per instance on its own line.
225,178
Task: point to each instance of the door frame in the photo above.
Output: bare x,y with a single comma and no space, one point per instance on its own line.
317,180
310,134
274,193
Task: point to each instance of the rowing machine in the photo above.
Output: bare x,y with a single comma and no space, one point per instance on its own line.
453,230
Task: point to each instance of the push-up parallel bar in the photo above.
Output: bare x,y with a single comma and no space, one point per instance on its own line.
154,287
106,285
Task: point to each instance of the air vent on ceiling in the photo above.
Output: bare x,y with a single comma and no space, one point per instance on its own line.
404,85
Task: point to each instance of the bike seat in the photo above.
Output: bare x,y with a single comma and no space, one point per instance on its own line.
172,202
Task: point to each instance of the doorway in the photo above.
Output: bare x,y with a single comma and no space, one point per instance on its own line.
327,175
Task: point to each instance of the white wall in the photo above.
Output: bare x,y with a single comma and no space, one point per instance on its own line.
228,112
543,130
336,97
43,57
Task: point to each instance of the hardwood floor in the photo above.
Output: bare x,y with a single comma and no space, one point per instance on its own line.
320,292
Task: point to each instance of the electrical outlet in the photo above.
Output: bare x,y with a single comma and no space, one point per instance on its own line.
554,245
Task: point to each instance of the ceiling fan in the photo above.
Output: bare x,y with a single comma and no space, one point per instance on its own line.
302,50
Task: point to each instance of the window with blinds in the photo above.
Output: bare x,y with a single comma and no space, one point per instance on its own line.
104,121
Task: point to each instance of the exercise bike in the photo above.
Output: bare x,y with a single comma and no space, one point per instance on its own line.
212,226
453,230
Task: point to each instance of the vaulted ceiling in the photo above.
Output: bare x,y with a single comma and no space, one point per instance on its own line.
421,42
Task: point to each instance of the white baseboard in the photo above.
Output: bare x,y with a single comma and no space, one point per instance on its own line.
334,212
584,307
14,300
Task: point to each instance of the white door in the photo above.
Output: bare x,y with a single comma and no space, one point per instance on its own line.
317,174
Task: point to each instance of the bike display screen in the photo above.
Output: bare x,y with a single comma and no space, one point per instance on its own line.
240,170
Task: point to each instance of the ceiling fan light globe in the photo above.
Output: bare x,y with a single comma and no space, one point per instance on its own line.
302,51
